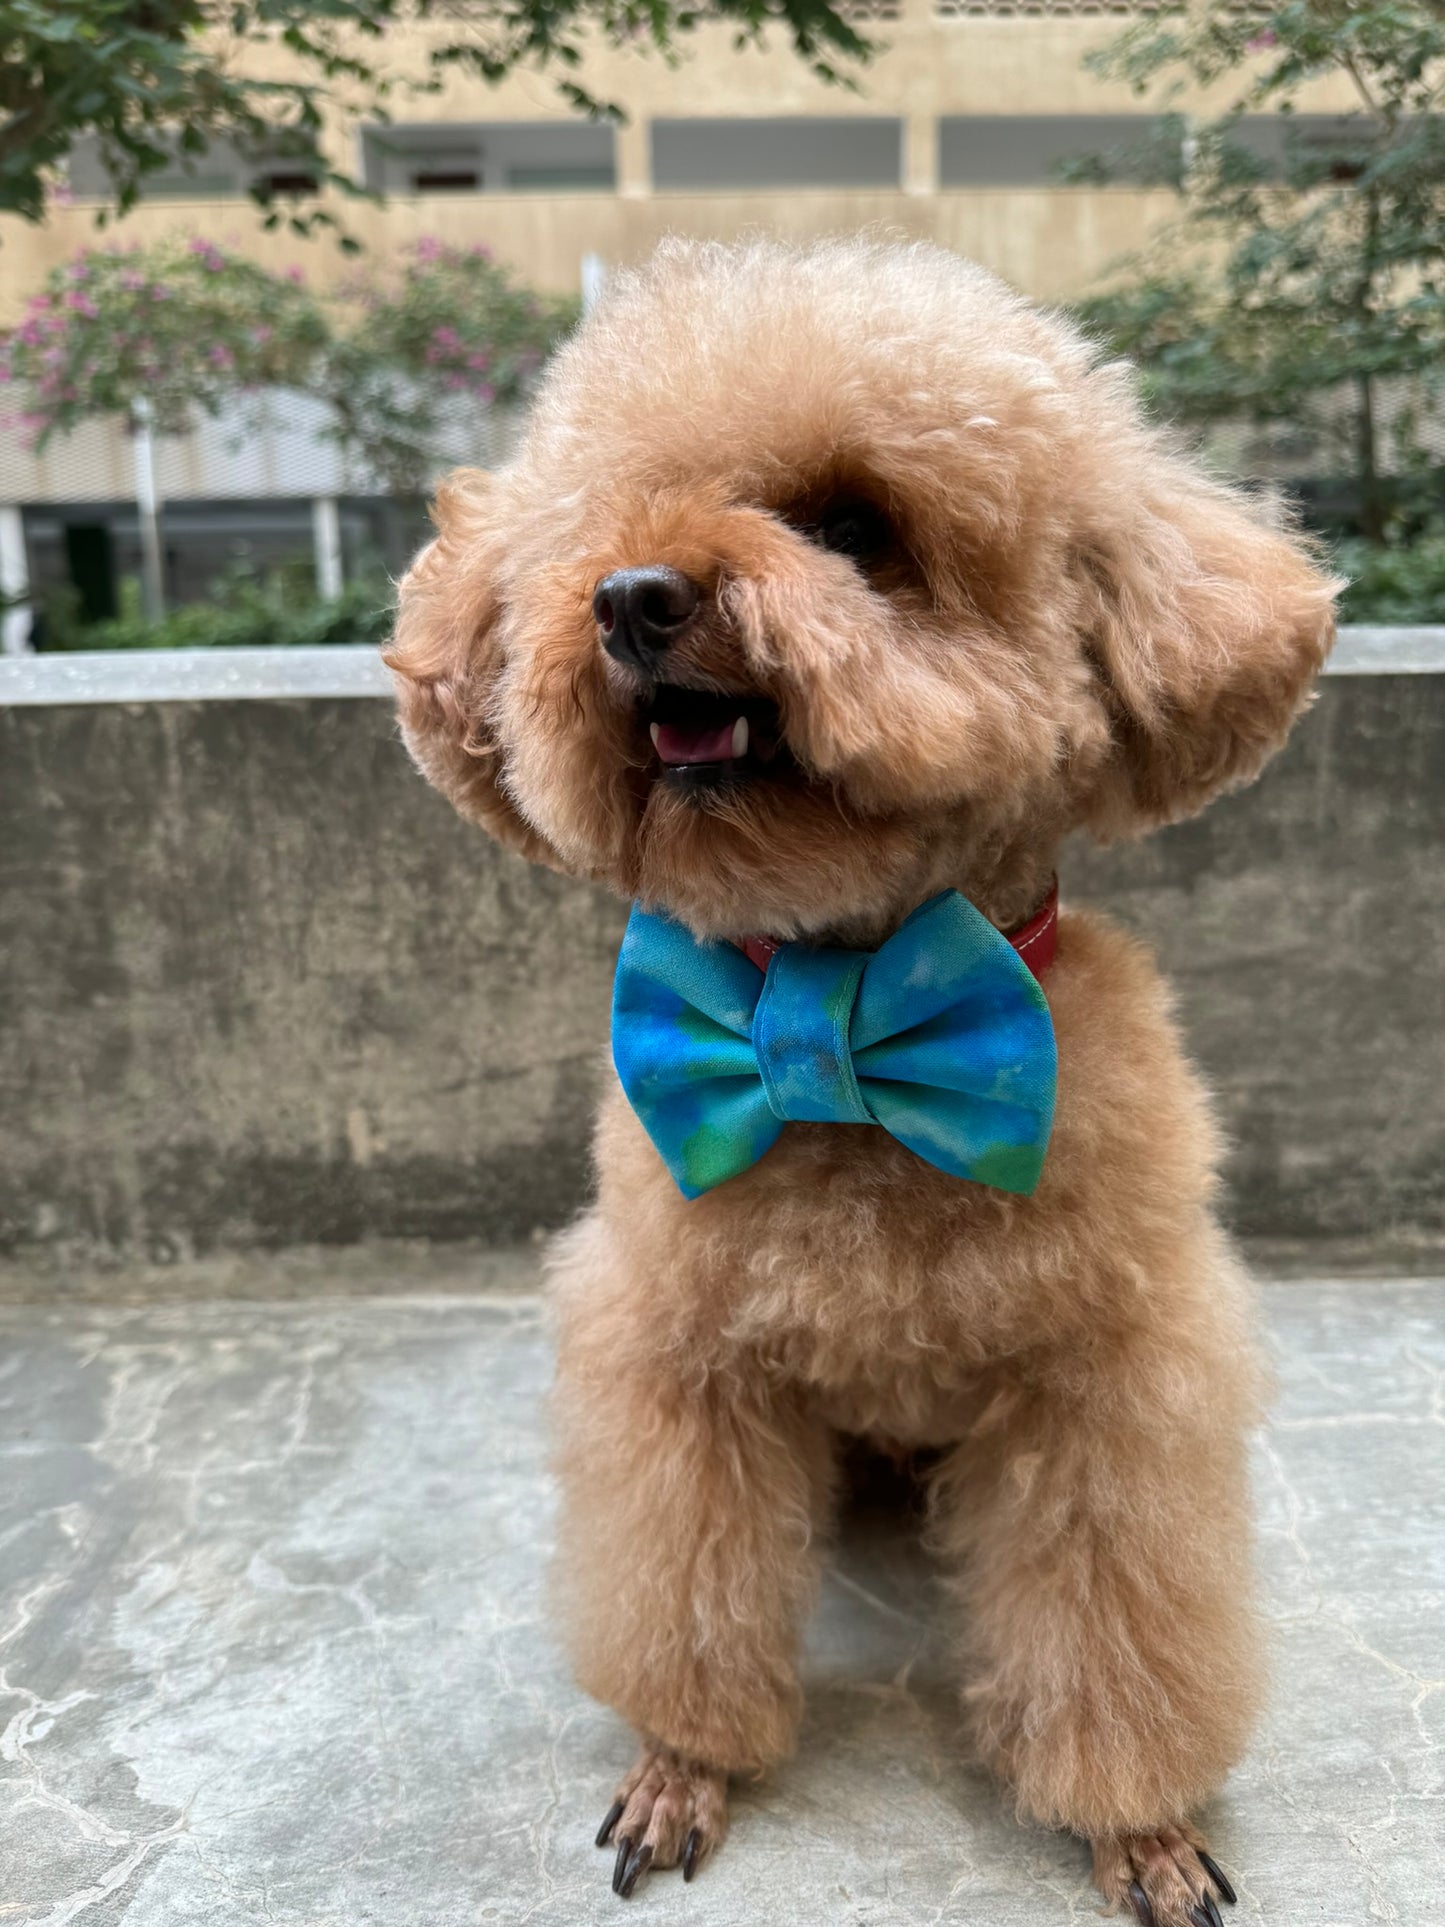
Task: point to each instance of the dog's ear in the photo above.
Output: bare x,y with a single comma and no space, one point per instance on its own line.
445,656
1206,623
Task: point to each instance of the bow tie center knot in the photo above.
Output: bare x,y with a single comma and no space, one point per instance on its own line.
800,1036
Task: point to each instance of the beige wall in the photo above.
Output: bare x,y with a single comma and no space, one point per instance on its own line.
1045,241
1050,241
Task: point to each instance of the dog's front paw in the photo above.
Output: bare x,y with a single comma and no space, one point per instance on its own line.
668,1809
1167,1877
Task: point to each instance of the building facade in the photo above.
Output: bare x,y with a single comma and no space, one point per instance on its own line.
953,133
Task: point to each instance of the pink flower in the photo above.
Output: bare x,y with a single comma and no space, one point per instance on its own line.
295,276
220,357
485,392
1262,42
429,249
447,338
132,282
82,304
481,252
159,292
479,361
261,335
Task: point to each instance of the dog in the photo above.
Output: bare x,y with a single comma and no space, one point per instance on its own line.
825,583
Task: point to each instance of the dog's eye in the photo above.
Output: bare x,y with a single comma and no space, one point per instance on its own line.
855,528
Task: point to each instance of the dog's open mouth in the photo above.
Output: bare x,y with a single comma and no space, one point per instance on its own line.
704,740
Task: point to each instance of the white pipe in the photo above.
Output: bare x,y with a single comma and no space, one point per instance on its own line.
326,543
14,584
143,455
594,280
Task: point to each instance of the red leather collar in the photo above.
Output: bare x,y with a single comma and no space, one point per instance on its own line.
1036,941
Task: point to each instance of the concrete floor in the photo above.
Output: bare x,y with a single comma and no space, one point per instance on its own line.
273,1644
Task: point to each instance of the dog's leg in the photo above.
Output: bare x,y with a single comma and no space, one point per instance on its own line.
687,1555
1099,1517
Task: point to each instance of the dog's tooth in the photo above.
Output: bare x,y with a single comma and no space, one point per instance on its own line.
740,736
654,730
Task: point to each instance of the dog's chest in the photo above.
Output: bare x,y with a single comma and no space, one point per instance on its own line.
858,1270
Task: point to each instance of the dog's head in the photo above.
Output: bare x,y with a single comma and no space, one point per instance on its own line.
825,579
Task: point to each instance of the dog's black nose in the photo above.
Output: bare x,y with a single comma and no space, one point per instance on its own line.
642,612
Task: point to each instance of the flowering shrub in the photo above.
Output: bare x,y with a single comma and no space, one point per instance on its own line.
455,328
408,369
458,321
184,325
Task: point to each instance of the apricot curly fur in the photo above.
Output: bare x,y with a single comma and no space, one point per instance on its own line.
1076,630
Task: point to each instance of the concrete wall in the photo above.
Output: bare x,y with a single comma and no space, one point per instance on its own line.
258,985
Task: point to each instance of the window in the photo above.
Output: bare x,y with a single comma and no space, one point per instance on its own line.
1339,140
221,172
214,175
744,155
491,157
1025,150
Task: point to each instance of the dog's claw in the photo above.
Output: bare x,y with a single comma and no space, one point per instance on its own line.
668,1811
1211,1867
1139,1901
1211,1911
636,1868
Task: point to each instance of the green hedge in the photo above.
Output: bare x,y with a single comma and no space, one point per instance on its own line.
1404,584
245,614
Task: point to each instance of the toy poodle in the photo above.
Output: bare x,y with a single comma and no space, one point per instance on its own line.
830,589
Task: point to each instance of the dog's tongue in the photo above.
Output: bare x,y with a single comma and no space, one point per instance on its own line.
675,743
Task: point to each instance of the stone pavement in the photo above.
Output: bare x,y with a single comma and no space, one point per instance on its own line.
273,1644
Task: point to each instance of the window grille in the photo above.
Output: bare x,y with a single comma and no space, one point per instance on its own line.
1066,9
869,13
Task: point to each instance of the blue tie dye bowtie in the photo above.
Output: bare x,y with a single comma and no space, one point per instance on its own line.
942,1036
